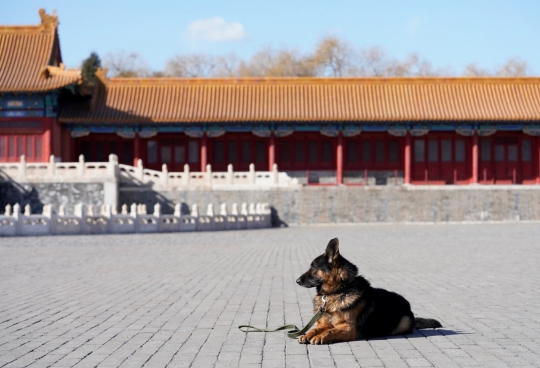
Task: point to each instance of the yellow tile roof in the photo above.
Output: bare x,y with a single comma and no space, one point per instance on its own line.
30,58
237,100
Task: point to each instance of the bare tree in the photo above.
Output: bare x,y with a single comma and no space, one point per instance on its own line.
473,70
191,66
373,62
411,66
514,68
277,63
226,66
124,64
334,57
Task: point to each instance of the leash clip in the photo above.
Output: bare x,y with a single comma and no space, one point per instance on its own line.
321,308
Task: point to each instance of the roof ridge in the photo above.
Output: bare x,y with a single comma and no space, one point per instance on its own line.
48,23
118,81
61,70
37,54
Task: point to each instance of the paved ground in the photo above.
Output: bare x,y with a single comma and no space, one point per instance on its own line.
176,299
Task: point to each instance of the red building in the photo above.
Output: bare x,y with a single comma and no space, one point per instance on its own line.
426,130
329,131
31,78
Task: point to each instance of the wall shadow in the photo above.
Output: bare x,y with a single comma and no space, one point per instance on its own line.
276,221
12,192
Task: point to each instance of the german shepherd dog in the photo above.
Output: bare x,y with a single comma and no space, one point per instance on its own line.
352,309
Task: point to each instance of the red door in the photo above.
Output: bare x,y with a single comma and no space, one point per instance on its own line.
505,153
506,160
175,150
440,159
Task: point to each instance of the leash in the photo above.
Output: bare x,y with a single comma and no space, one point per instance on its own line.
294,331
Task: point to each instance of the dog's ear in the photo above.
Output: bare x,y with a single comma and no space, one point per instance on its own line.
332,250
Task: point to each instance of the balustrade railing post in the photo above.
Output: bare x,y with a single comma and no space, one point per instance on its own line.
47,211
17,217
194,210
209,175
52,166
275,174
165,177
140,170
157,210
230,174
16,210
112,165
223,209
210,210
134,214
82,167
252,173
187,175
106,211
22,168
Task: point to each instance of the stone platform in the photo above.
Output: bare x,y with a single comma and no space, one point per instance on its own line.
175,300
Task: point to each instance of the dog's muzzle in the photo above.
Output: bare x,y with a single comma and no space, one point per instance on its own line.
307,281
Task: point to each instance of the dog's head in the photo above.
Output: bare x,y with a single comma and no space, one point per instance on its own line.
329,271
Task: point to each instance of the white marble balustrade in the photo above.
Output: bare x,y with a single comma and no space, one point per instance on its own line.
113,172
88,219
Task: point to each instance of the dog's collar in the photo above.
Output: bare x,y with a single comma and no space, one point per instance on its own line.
321,308
341,290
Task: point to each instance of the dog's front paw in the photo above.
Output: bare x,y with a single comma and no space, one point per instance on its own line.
303,339
319,340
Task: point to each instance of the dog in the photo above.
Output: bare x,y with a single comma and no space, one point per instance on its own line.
352,309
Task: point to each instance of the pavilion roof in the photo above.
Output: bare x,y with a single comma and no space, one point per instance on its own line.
238,100
30,59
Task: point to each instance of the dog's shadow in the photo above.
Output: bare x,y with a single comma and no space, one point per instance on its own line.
416,334
425,333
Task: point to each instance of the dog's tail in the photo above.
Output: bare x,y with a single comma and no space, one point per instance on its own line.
421,323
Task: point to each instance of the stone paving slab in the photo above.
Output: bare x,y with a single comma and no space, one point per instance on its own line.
175,300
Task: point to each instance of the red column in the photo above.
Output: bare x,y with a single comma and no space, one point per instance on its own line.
407,173
136,149
72,151
339,157
474,177
56,138
66,144
271,152
204,159
538,148
46,149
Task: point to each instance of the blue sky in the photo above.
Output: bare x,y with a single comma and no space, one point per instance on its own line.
450,33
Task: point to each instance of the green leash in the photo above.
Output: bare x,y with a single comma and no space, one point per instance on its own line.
294,332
